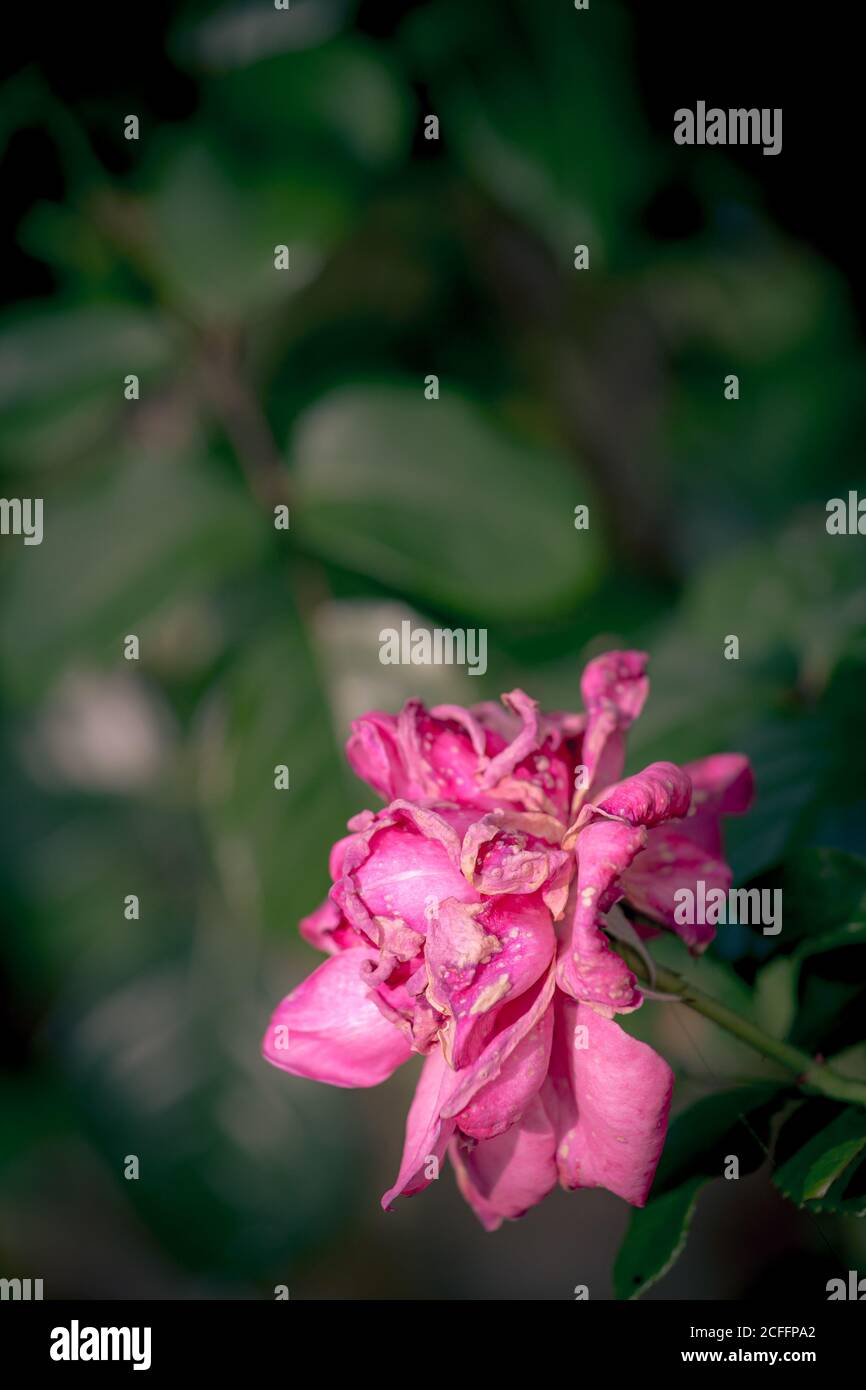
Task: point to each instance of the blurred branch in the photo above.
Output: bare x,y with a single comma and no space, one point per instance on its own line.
809,1073
237,409
216,352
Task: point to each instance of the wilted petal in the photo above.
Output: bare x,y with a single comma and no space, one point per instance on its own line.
327,929
330,1030
502,1178
401,1000
374,755
661,792
525,742
499,1104
427,1134
622,1094
477,963
722,785
669,864
588,968
517,1020
513,852
614,688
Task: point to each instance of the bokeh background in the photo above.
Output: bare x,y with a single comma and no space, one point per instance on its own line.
558,387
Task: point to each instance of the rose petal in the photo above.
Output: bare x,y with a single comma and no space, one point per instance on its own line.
327,929
722,785
614,688
500,1104
661,792
516,1021
404,860
374,755
588,968
329,1029
427,1133
622,1094
668,864
477,963
513,852
502,1178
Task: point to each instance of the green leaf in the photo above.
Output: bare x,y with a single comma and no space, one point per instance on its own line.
271,845
390,484
655,1239
822,889
824,896
820,1163
215,250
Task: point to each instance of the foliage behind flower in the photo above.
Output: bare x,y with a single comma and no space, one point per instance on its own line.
468,922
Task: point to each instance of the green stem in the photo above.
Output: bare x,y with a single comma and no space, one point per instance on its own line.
809,1073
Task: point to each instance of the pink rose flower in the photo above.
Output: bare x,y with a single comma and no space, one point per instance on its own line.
467,923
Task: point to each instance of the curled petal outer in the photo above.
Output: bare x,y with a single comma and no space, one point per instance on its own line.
659,793
722,785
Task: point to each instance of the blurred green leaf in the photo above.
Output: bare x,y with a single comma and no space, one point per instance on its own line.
811,1172
824,897
48,353
240,32
343,98
701,1137
544,122
390,484
788,757
215,251
655,1239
